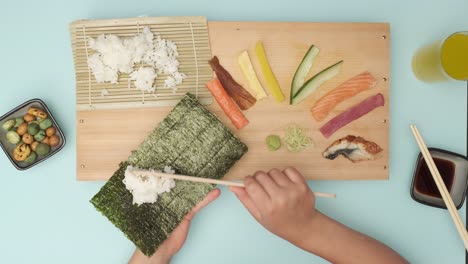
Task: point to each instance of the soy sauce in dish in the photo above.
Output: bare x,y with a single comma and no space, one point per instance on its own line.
425,183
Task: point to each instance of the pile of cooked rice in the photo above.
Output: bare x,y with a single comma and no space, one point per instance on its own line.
146,189
115,55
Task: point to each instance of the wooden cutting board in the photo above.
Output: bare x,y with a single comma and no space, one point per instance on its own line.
106,137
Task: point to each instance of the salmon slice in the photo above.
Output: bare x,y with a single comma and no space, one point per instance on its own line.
348,89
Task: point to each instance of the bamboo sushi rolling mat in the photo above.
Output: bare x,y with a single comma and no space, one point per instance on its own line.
191,37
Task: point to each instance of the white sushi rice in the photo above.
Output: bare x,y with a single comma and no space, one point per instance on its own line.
115,55
104,92
102,72
172,81
143,79
146,189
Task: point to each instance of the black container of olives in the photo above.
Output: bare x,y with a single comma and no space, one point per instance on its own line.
28,124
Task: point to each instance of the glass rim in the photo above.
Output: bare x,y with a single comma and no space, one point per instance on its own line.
444,72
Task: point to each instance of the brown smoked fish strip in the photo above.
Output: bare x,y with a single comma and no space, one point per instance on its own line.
242,98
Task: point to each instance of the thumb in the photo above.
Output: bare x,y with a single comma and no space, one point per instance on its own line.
210,197
139,258
245,199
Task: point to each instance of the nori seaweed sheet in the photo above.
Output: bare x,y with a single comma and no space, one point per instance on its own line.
193,142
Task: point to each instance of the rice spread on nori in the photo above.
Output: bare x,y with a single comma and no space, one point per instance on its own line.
193,142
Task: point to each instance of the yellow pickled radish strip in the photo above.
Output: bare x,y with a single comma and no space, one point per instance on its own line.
247,69
270,78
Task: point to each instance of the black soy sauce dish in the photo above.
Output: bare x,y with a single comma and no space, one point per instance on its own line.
19,112
453,169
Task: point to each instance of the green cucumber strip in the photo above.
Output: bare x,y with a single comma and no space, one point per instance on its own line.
302,70
313,83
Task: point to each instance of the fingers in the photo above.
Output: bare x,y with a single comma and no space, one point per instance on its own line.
256,191
268,184
211,196
183,227
301,183
264,190
294,175
279,177
244,198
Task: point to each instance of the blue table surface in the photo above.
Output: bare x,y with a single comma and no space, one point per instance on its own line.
45,216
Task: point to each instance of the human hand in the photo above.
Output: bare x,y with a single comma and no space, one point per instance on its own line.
283,203
176,239
280,201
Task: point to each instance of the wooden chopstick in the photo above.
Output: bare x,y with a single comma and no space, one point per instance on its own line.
208,180
441,186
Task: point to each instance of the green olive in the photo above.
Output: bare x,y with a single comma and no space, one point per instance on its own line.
45,124
273,142
13,137
42,149
8,124
33,128
39,136
32,157
18,122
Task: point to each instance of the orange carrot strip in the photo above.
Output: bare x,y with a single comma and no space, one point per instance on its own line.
230,109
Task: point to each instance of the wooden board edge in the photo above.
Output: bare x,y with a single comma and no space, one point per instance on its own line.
385,25
79,176
140,20
387,36
90,177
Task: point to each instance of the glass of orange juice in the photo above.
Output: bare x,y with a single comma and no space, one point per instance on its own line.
443,60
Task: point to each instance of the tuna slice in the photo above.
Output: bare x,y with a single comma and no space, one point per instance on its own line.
352,114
